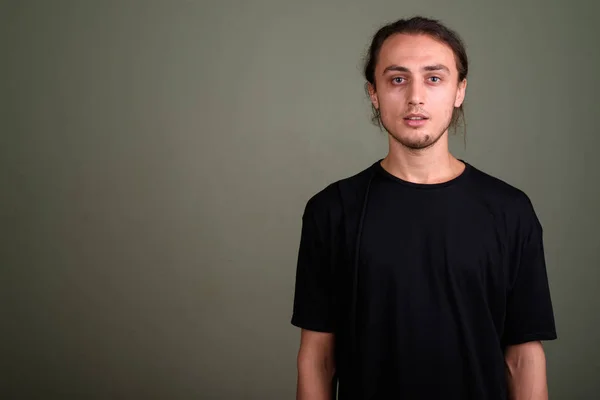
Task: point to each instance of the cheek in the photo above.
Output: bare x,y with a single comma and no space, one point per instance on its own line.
443,103
391,101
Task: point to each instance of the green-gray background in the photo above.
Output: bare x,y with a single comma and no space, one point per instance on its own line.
155,158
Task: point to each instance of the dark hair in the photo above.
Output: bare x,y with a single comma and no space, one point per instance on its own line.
416,26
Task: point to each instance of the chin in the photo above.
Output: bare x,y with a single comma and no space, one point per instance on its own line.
413,141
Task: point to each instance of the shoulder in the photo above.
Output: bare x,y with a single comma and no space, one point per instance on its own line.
336,196
503,198
494,189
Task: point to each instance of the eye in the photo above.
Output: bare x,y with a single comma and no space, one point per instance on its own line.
398,79
435,79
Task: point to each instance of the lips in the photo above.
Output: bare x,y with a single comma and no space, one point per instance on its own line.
415,117
415,120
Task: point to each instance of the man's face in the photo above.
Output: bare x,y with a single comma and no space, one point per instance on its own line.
415,74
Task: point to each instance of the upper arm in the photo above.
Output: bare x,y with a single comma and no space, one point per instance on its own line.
313,307
518,354
529,312
316,347
316,366
526,371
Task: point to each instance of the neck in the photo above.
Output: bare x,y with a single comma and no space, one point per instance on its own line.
432,165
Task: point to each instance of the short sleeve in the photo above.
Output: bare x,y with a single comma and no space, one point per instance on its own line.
529,312
313,295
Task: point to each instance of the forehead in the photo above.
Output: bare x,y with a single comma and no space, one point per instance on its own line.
415,51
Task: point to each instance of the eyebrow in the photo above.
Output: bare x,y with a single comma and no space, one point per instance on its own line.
399,68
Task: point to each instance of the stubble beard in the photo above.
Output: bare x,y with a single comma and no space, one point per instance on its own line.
419,144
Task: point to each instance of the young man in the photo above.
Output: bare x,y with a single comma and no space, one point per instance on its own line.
421,277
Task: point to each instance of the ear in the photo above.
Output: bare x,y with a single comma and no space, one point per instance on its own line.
373,95
460,93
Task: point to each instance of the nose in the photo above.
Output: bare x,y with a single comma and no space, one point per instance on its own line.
416,93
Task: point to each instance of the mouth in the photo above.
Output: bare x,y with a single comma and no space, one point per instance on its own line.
415,120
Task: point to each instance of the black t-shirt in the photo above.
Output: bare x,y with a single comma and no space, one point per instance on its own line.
440,279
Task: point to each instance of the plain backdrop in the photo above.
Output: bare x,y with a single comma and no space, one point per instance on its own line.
156,156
